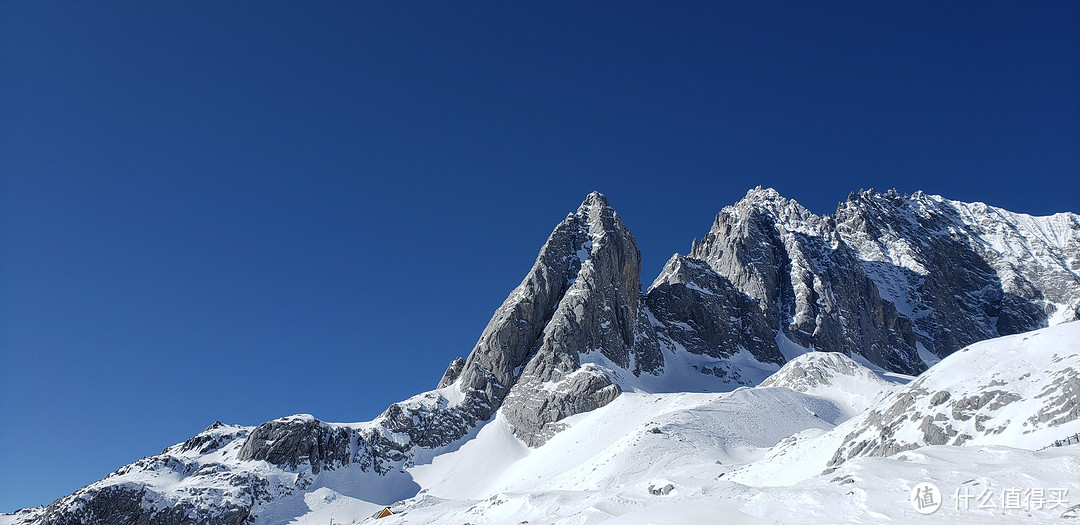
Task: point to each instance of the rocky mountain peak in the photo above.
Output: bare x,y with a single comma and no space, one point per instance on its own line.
766,209
599,322
891,273
581,302
759,194
594,199
600,220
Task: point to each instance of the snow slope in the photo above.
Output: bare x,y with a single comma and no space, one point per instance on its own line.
854,387
640,436
706,458
764,454
1018,391
865,490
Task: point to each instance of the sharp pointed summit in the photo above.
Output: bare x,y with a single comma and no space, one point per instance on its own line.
595,198
580,302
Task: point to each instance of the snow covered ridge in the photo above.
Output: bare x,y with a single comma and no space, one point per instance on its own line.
646,393
1021,391
850,385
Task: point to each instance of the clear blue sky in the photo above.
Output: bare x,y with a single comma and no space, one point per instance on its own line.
238,211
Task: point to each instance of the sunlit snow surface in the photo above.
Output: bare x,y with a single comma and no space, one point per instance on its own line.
753,455
715,451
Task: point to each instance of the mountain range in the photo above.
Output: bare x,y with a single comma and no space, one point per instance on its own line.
786,355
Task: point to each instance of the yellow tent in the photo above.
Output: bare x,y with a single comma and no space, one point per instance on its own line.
384,513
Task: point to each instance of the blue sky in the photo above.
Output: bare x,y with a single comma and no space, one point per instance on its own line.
239,211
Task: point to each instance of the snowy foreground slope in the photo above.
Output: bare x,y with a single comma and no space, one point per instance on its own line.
693,458
760,376
787,451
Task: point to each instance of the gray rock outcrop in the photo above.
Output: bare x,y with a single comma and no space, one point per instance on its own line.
702,312
964,272
886,274
581,298
293,441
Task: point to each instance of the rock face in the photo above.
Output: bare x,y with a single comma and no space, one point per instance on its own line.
804,281
582,299
886,275
964,272
292,441
703,313
215,492
125,504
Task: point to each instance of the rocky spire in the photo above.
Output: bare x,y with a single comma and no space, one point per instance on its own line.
582,297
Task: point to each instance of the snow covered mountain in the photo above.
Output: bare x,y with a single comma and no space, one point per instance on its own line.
586,399
901,280
580,303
